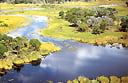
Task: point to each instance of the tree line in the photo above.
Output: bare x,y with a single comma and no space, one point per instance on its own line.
42,1
95,20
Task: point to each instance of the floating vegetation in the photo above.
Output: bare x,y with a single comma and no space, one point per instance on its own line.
101,79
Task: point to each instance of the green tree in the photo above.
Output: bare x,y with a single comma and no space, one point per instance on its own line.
35,43
83,27
96,30
124,25
103,26
3,49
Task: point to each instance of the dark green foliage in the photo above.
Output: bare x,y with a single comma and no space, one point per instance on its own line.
95,19
73,16
124,25
5,39
61,13
96,30
3,25
15,45
103,26
99,29
3,49
35,43
127,4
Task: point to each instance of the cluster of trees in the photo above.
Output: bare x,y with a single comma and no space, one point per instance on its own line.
14,45
96,20
21,1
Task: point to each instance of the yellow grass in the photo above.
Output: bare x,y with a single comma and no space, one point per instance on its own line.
50,47
90,3
17,6
8,23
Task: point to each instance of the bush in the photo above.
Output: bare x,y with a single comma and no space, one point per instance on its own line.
103,26
96,30
124,79
3,49
61,13
114,79
103,79
124,25
83,27
35,44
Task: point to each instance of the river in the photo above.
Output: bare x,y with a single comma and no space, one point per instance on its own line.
75,59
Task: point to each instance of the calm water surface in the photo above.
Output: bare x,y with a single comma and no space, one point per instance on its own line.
73,60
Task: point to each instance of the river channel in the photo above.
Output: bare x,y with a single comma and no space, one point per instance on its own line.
75,59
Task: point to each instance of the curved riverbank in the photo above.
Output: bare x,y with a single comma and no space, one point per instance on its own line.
60,28
26,54
75,59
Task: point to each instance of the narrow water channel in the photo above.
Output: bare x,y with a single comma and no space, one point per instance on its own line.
75,59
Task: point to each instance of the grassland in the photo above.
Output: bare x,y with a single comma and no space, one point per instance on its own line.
61,29
17,6
9,23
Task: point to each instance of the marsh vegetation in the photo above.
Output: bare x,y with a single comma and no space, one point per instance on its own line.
29,40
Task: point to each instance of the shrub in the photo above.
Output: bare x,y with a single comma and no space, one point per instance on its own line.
83,27
103,79
124,25
124,79
114,79
103,26
61,13
3,49
35,44
96,30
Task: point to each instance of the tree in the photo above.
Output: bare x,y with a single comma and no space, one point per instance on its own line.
35,44
83,27
3,49
103,26
96,30
124,25
127,4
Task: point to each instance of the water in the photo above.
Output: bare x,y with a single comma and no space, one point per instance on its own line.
73,60
20,9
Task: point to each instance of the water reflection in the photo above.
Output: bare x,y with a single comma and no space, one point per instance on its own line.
18,68
83,59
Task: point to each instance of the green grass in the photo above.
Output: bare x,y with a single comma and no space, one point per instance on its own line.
60,28
122,10
43,12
